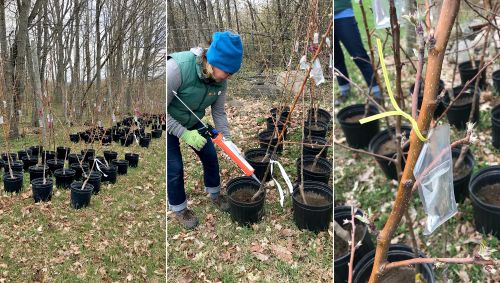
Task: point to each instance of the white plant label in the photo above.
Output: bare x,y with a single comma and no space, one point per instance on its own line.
95,105
1,120
316,38
19,113
4,104
40,122
99,123
303,63
113,117
328,42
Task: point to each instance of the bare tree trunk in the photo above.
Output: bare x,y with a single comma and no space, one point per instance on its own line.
98,5
211,17
174,36
227,9
219,15
75,73
236,16
37,88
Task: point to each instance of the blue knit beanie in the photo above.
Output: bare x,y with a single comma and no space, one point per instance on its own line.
225,52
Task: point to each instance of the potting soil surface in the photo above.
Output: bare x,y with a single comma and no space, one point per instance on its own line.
314,199
387,148
398,275
462,170
244,194
354,119
259,158
340,246
314,127
318,168
490,194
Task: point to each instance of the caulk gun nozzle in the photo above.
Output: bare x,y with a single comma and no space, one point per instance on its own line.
255,177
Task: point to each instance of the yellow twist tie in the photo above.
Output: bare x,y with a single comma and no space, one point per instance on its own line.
398,110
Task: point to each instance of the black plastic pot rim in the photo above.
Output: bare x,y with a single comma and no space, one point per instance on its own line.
490,170
250,181
88,188
354,110
15,174
311,186
39,182
59,172
356,221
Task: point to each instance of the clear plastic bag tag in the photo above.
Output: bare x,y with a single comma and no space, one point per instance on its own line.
317,72
434,176
381,14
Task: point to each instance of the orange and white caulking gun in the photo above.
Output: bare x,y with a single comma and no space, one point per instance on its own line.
228,147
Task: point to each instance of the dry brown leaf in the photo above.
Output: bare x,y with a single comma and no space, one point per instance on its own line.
260,256
281,252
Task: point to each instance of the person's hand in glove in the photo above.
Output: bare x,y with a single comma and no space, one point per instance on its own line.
194,139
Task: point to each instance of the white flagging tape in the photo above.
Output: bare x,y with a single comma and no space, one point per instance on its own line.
287,181
97,161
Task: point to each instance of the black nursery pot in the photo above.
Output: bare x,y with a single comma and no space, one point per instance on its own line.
495,122
110,155
13,185
320,114
95,181
341,263
127,140
459,112
389,168
156,134
13,157
64,178
74,158
144,142
313,146
36,171
267,137
239,189
461,185
496,81
284,112
29,161
16,166
23,153
62,152
122,166
132,158
316,215
109,173
48,155
116,137
467,72
270,125
75,138
92,160
80,196
41,191
106,139
55,164
358,135
322,170
486,215
79,169
254,157
88,153
363,268
315,128
36,149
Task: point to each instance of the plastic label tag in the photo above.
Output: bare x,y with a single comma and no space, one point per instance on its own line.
19,113
303,63
113,117
1,120
4,104
317,72
285,176
434,177
97,161
316,38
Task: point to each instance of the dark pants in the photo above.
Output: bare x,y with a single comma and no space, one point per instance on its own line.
347,32
175,171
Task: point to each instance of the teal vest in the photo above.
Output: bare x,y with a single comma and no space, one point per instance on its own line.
196,93
341,5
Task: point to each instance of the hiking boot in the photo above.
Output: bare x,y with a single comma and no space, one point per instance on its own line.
221,203
187,218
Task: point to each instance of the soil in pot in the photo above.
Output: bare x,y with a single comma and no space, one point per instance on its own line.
490,194
242,209
13,184
42,191
259,161
80,197
132,158
267,137
64,178
384,144
341,247
398,275
314,199
317,129
358,135
319,114
321,171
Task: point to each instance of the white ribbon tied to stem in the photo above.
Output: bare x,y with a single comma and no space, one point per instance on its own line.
97,161
285,176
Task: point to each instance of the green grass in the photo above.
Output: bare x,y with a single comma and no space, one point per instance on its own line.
119,237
